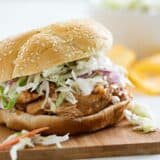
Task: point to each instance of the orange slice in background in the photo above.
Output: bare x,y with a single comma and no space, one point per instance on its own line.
145,75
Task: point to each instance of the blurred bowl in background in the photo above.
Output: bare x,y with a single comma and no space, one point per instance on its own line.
138,31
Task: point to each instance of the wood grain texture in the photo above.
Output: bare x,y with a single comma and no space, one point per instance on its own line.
115,141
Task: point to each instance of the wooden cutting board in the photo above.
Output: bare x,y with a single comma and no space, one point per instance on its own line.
116,141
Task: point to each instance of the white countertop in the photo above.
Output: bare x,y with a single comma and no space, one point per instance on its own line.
20,15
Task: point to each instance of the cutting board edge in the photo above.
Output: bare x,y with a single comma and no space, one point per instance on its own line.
89,152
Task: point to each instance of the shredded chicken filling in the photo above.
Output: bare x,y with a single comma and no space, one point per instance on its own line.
100,98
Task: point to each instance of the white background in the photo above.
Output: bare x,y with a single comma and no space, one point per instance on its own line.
20,15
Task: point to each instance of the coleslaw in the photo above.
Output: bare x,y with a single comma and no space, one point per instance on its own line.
78,77
140,116
31,141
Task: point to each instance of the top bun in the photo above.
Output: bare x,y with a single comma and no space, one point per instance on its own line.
59,43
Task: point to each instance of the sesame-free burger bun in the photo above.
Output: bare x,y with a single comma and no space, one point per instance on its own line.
39,49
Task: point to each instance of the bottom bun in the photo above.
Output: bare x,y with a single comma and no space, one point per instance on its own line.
18,120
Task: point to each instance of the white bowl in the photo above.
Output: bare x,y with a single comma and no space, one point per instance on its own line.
139,31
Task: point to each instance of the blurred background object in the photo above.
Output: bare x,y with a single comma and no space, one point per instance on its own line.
21,15
145,74
134,23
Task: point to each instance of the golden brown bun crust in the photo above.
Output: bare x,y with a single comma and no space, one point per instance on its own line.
59,125
9,49
55,44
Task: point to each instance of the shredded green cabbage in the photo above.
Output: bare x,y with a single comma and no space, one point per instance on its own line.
140,116
60,99
1,90
3,101
12,101
7,100
22,81
141,110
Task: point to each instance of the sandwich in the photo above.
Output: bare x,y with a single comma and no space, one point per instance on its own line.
60,77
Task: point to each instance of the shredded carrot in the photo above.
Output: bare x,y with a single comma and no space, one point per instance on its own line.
34,132
13,141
